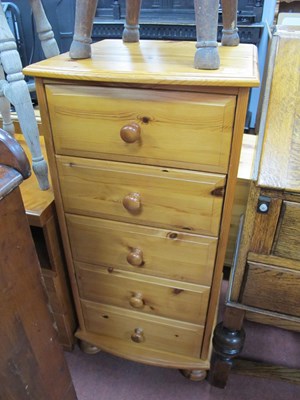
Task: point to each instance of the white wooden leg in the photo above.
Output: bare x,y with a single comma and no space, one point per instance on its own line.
7,123
16,91
44,29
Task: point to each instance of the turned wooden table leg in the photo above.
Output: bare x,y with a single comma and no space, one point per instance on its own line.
84,17
16,91
44,29
7,123
228,341
230,36
131,31
206,13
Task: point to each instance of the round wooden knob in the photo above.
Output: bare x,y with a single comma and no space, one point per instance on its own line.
137,301
135,258
138,336
132,202
130,133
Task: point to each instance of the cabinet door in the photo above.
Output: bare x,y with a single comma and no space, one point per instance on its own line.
287,242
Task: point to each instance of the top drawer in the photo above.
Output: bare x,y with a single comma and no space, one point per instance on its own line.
186,130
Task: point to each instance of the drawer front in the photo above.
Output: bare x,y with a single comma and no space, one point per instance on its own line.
156,296
272,288
182,200
168,254
186,130
143,330
287,241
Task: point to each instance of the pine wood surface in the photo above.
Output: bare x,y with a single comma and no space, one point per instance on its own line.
38,203
153,62
168,254
167,137
150,295
280,165
94,188
158,333
174,199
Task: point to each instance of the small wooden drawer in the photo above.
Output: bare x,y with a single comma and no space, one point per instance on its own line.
287,240
272,288
186,130
156,296
169,198
146,331
168,254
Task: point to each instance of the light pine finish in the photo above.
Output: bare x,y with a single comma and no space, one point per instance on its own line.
177,199
170,65
198,144
164,253
151,295
121,215
143,330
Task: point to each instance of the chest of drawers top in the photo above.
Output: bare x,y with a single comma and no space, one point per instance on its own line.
151,63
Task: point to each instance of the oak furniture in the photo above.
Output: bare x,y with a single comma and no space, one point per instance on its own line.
265,281
143,153
206,15
32,363
14,90
41,214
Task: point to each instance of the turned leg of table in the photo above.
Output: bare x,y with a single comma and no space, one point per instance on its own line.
7,123
44,29
230,35
131,31
206,13
16,91
84,17
228,342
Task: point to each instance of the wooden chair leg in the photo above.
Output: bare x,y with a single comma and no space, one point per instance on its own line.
16,91
7,123
131,31
84,16
206,13
44,29
230,36
228,341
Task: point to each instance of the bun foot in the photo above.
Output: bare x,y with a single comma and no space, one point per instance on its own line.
131,34
80,50
207,57
195,375
88,348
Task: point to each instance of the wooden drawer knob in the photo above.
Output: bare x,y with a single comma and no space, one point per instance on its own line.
132,202
135,258
138,336
130,133
137,301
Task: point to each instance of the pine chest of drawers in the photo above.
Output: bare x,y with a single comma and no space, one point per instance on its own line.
143,152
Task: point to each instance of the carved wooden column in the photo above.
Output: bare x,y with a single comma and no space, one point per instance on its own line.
230,35
206,13
84,17
7,123
16,91
44,29
131,28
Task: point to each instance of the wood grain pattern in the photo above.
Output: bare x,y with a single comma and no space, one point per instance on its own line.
153,62
272,288
167,137
168,254
161,297
176,199
280,165
159,333
287,242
